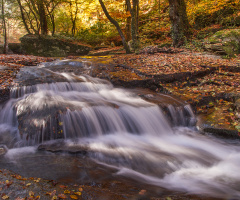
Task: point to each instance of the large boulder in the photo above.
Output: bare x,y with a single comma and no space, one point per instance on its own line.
51,46
224,42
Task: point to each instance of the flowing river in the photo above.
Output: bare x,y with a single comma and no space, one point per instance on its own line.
79,125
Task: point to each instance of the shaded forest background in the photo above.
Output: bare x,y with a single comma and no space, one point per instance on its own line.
143,23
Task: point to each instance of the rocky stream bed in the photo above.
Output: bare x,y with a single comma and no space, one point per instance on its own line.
210,84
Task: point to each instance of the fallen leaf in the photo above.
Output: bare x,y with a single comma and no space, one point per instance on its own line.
73,197
66,192
62,196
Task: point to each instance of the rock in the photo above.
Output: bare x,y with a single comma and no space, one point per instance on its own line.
15,48
224,42
134,47
3,149
237,105
222,133
51,46
4,95
62,146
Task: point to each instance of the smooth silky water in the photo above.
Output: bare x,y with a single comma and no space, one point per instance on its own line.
85,130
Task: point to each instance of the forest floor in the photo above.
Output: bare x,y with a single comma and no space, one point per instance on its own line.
208,82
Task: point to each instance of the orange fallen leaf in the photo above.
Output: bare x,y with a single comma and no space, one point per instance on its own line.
78,193
62,196
73,197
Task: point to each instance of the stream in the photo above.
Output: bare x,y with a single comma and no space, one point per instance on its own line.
63,124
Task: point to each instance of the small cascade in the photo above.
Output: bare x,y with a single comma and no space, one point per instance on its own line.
89,108
97,121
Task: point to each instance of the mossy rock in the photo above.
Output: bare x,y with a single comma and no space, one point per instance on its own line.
51,46
224,42
15,48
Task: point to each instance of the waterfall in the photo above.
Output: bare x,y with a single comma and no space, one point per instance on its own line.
89,108
148,137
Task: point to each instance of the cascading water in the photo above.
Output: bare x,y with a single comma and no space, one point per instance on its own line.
150,143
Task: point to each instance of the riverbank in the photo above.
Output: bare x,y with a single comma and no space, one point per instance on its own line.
208,82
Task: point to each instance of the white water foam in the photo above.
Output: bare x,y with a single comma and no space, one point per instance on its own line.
184,161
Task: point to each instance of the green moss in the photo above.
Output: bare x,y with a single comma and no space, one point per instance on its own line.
228,40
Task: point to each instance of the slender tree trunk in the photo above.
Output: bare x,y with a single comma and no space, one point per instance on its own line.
115,23
180,24
159,10
137,17
23,17
53,24
128,24
50,12
74,18
52,18
4,29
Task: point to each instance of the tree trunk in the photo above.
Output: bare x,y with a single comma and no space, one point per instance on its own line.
52,18
180,24
53,24
115,23
4,29
23,17
137,18
74,18
134,26
42,17
128,24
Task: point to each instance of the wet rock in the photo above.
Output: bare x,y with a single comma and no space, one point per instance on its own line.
4,95
3,149
61,146
222,133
